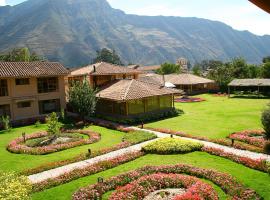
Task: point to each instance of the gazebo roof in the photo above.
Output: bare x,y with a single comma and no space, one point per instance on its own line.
250,82
124,90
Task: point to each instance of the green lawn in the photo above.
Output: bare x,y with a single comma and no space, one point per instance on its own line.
217,117
254,179
20,162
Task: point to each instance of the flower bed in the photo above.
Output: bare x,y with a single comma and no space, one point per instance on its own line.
189,100
129,140
225,142
252,137
171,146
86,171
259,164
145,185
18,145
225,181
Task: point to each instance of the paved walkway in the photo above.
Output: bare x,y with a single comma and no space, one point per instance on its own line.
36,178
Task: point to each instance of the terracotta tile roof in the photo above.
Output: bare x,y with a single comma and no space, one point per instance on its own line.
31,69
176,79
250,82
124,90
149,68
186,79
103,69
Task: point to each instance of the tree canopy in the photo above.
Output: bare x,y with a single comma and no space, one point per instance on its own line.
20,55
82,98
109,56
169,68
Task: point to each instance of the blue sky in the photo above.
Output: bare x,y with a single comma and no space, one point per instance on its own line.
240,14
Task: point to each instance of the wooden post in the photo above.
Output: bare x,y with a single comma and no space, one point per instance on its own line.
144,103
173,101
126,108
229,91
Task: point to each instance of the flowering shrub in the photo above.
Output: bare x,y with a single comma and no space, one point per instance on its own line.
248,137
252,163
225,142
18,145
148,184
225,181
13,187
86,171
172,145
189,100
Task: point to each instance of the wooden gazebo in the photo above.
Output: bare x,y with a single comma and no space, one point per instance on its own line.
259,85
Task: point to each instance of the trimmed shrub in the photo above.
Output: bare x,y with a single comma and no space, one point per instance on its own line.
14,187
136,137
5,121
266,121
171,146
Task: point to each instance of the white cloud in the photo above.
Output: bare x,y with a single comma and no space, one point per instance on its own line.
2,2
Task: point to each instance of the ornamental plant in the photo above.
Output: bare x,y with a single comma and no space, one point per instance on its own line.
5,121
172,145
14,187
266,121
53,124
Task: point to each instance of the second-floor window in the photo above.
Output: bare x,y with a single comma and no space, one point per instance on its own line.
22,81
46,85
3,88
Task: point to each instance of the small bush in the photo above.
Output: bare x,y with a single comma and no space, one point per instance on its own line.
53,124
37,124
266,121
171,146
5,121
14,187
136,137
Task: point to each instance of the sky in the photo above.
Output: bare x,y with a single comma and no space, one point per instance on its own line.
240,14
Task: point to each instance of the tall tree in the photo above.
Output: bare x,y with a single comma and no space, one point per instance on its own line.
106,55
169,68
265,70
20,55
266,59
196,70
82,98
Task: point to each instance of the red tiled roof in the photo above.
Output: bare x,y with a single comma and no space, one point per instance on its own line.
124,90
31,69
103,69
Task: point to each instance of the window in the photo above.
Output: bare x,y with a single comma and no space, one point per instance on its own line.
46,85
25,104
165,101
3,88
136,106
49,106
22,81
4,110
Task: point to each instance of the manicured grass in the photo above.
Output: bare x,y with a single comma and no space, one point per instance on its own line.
256,180
20,162
217,117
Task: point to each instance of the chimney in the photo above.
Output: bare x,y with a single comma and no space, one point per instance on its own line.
94,68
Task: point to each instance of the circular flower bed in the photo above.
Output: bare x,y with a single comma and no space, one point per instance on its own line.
19,144
171,146
189,100
145,185
226,182
253,137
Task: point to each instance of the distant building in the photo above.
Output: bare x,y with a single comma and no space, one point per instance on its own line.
121,93
183,62
30,90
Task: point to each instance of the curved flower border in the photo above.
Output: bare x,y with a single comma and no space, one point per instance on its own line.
18,146
225,181
147,184
225,142
245,136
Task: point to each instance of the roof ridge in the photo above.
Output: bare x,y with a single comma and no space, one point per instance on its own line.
126,92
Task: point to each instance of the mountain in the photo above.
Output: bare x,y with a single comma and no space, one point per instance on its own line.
71,31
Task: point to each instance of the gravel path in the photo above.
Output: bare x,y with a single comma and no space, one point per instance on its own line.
36,178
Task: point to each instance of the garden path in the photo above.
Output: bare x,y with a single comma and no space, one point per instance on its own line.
36,178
